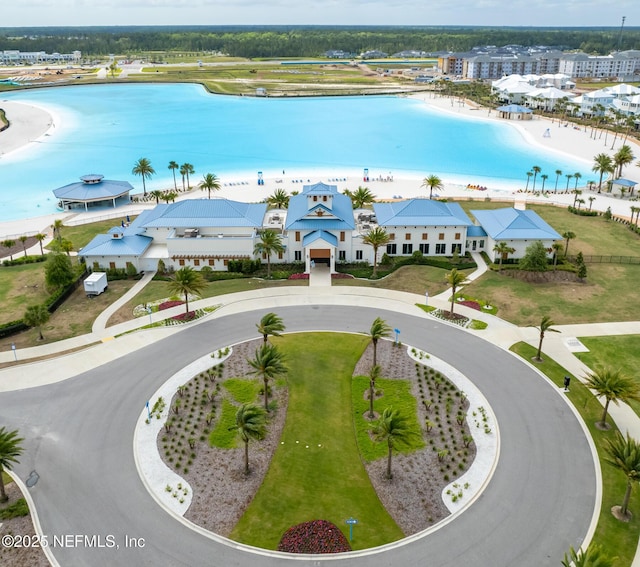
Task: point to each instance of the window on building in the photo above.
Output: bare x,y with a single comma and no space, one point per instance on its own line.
425,236
456,248
407,236
424,248
391,249
392,236
264,255
212,262
481,244
298,255
407,249
297,236
441,236
112,265
342,236
279,255
324,198
181,261
441,249
196,262
457,236
342,255
224,262
358,254
315,197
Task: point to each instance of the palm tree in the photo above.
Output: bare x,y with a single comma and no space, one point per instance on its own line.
10,449
558,173
186,281
593,557
576,194
188,170
267,364
270,242
392,428
279,199
568,176
614,386
432,182
624,156
545,325
379,330
568,235
9,244
36,316
580,202
529,176
183,173
173,165
23,240
270,324
577,176
376,237
557,248
503,250
361,197
157,195
210,182
602,164
536,169
144,169
591,200
624,455
40,237
455,279
251,423
374,374
544,178
57,227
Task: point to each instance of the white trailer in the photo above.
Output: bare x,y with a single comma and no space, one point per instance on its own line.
95,283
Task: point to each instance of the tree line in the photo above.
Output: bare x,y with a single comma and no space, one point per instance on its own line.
305,41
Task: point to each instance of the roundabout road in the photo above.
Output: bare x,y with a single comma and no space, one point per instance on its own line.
79,434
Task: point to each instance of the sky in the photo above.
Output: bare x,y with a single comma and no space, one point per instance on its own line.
552,13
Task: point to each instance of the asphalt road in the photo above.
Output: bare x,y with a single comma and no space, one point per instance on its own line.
79,440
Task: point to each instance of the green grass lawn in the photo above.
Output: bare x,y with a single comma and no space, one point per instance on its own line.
621,352
316,472
617,538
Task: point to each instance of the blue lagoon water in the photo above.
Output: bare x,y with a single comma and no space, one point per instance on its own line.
105,129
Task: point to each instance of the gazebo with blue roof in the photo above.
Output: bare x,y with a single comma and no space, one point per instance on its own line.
92,189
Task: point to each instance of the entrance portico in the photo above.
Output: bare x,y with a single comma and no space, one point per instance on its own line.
320,247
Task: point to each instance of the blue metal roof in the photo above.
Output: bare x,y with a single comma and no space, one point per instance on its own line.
475,230
624,182
339,216
106,245
319,189
514,224
320,235
93,188
207,213
515,109
420,212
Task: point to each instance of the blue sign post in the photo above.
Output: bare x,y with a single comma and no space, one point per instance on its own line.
351,522
148,411
397,332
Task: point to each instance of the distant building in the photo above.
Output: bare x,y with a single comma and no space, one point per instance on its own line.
15,57
374,54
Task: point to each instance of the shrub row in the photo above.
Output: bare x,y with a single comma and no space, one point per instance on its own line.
24,260
582,212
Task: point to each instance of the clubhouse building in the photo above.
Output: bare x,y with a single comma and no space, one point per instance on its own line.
320,226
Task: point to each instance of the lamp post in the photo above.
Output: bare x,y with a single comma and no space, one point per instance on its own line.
149,311
15,354
426,298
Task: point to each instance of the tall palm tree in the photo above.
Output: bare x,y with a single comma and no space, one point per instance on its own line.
529,176
144,169
455,279
576,194
568,235
210,182
569,176
503,250
558,173
361,197
36,316
602,164
624,156
393,429
432,182
624,455
544,178
188,170
374,374
57,227
251,423
546,324
591,200
268,364
376,237
183,173
379,330
269,242
593,557
40,237
173,165
279,199
270,324
536,169
613,386
23,240
577,176
187,281
10,449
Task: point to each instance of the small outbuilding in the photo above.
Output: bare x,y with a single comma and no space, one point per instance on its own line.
514,112
623,185
93,190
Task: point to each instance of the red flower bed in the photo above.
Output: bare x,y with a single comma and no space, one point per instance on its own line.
472,304
298,277
318,536
169,305
341,276
185,316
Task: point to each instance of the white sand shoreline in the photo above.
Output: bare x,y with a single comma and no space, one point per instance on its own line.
29,123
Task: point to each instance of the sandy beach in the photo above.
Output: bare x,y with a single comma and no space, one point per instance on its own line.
29,122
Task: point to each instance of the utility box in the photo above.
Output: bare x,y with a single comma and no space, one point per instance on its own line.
95,284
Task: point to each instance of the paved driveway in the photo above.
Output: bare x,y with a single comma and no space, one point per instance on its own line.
79,440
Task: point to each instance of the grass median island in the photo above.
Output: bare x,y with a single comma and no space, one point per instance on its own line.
617,538
316,472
